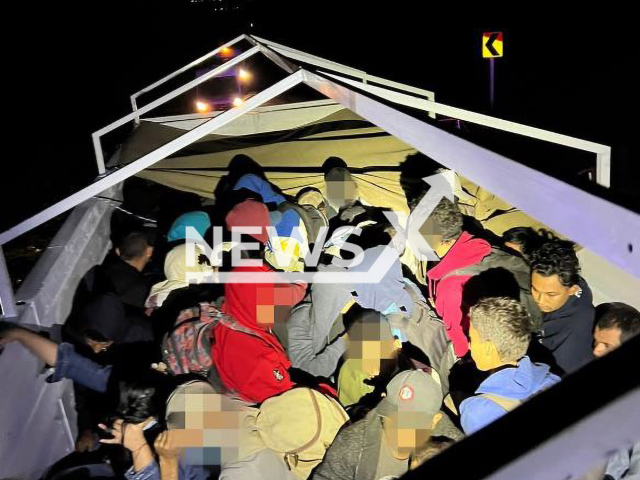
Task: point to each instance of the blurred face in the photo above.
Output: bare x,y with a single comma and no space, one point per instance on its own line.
343,190
206,427
403,436
430,233
549,293
368,350
273,305
606,340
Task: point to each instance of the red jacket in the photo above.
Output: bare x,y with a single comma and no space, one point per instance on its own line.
447,293
248,357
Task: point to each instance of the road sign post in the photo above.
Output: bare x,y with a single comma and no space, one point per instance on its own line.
492,48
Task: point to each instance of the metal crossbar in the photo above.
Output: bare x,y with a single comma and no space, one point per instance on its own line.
602,151
151,158
165,98
606,228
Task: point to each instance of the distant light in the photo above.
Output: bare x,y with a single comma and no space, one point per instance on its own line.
202,107
243,75
238,102
226,51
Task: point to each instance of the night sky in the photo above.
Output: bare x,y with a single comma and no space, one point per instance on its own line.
76,62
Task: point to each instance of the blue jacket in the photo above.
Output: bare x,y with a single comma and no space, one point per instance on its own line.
518,383
152,472
283,221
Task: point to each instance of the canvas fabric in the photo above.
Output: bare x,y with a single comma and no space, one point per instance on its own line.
300,425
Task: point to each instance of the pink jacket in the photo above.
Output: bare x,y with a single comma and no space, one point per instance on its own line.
447,293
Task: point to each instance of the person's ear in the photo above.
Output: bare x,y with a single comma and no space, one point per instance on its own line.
436,418
149,251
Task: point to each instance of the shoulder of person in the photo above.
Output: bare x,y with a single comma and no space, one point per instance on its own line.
477,412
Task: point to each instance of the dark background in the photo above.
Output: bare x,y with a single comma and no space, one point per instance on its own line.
75,63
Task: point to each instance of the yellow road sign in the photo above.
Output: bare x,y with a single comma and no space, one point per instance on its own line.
492,44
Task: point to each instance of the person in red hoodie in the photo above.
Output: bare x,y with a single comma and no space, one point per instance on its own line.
249,359
457,249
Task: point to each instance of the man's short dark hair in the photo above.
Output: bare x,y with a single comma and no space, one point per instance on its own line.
331,163
557,257
448,218
133,245
618,315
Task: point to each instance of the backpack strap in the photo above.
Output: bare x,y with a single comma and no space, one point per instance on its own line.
291,457
507,403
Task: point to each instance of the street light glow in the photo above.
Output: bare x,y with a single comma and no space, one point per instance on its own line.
202,107
237,102
226,51
243,75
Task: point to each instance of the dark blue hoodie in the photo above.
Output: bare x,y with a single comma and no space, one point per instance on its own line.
517,383
568,332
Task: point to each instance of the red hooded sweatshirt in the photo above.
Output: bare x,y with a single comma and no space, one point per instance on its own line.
447,294
249,358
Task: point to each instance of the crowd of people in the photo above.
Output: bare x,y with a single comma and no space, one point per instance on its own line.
186,377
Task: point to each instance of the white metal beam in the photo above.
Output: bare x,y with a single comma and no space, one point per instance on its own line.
603,168
257,111
165,98
7,298
603,151
606,228
151,158
338,67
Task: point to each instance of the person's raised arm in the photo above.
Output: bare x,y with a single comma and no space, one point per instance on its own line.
67,363
41,347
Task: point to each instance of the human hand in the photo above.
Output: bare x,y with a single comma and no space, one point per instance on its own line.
166,446
85,442
129,435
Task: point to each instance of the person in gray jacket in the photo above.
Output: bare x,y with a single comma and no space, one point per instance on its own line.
305,352
382,444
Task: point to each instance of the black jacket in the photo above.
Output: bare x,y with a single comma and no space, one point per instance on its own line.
567,332
118,277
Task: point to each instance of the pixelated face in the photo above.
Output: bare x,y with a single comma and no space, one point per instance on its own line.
366,346
407,431
549,293
206,427
430,232
606,340
346,190
273,304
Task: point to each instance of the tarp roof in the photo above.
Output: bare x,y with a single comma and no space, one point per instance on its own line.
291,158
600,225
